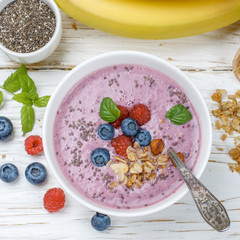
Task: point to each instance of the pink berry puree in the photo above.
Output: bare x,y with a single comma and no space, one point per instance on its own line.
77,120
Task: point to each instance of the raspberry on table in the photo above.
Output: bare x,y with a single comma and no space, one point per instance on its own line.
54,200
140,113
33,145
120,144
123,115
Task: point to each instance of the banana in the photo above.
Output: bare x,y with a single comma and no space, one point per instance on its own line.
153,19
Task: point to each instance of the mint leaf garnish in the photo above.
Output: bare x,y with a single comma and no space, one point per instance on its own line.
108,110
178,115
23,98
12,84
1,97
27,119
42,101
28,85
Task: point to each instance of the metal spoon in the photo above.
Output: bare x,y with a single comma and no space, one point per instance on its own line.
210,208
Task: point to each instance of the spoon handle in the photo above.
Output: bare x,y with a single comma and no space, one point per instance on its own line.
208,205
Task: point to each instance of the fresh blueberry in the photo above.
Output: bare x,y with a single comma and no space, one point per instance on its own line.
6,128
143,137
100,221
129,127
8,172
36,173
106,132
100,157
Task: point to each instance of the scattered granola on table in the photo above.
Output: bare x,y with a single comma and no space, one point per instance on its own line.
228,114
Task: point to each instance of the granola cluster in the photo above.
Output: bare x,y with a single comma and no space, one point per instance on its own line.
140,166
228,113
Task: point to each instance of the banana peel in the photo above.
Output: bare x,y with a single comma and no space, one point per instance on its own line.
153,19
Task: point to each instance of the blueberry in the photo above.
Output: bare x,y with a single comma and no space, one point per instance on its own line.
100,157
8,172
106,132
100,221
143,137
36,173
129,127
6,128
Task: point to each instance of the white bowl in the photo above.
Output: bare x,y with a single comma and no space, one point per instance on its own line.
126,57
45,51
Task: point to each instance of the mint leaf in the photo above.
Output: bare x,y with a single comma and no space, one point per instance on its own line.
12,84
27,119
24,98
42,101
1,97
28,86
178,115
108,110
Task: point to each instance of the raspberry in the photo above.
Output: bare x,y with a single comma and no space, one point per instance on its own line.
123,115
140,113
120,144
33,145
54,200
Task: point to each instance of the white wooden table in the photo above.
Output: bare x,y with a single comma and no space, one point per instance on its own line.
206,59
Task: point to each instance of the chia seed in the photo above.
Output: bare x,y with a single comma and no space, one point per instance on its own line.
26,25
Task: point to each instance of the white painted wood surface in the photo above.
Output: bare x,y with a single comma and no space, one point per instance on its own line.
206,59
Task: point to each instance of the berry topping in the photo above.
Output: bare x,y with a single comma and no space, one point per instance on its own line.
143,137
33,145
120,144
6,128
129,127
54,200
123,115
100,221
100,157
140,113
106,132
36,173
8,172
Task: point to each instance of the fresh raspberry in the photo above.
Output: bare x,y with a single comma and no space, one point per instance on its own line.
54,200
33,145
123,115
120,144
140,113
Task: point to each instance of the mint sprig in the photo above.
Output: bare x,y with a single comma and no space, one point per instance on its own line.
1,98
20,80
27,119
178,115
108,110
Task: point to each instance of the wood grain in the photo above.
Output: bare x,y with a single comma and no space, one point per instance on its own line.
206,59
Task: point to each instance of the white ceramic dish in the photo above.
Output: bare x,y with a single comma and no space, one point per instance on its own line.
45,51
126,57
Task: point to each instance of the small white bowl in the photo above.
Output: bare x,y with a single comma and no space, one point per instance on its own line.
126,57
45,51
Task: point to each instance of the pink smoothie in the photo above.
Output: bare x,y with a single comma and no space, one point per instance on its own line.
75,133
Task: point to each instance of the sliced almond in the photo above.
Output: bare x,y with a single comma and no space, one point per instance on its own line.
113,184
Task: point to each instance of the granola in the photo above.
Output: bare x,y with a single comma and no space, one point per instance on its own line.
228,114
140,166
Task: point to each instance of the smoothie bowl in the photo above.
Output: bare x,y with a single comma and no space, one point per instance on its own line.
109,124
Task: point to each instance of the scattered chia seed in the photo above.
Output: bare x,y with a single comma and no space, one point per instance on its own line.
26,25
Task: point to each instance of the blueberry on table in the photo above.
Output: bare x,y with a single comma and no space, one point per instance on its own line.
6,128
143,137
100,157
8,172
100,221
129,127
106,132
36,173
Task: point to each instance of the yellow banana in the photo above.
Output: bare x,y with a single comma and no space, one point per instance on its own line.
153,19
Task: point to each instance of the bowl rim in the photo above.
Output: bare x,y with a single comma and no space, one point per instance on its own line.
180,192
58,28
